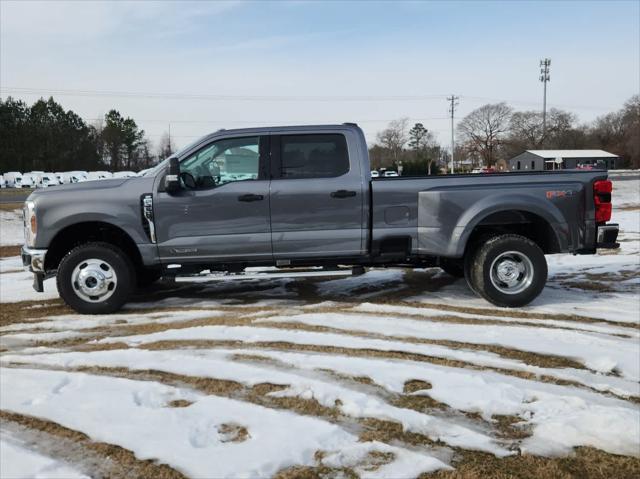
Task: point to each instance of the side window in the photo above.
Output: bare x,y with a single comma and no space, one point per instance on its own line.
518,165
221,162
313,156
533,164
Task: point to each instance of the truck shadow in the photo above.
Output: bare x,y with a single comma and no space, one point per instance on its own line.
430,285
379,284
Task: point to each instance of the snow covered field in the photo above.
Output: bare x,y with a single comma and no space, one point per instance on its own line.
391,374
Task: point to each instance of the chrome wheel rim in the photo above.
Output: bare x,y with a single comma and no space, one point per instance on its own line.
94,280
511,272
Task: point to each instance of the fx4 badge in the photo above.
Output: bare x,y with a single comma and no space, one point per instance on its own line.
559,194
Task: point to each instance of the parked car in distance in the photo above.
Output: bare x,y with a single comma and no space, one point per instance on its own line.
310,204
3,182
485,169
13,179
390,173
28,181
36,175
375,174
72,177
45,180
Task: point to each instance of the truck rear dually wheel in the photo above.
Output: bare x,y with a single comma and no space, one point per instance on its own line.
95,278
508,270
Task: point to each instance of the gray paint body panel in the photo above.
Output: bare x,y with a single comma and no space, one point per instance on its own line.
298,219
306,221
116,202
444,210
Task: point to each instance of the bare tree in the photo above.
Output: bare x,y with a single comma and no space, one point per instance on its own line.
394,137
619,132
526,130
484,130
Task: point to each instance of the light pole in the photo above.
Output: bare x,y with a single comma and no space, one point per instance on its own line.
452,109
544,78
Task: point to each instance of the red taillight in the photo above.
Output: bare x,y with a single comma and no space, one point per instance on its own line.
602,186
602,199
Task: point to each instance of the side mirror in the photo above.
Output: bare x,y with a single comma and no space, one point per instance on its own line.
172,179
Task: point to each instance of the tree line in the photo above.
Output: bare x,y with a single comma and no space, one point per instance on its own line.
45,137
494,133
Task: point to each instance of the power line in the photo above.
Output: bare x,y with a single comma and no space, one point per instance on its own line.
185,96
452,109
250,122
535,103
267,98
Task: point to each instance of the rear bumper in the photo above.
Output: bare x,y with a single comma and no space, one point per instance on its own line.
607,236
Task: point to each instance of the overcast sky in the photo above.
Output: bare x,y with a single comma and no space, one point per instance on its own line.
203,65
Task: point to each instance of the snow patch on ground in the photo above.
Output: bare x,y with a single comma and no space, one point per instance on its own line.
11,227
246,334
18,286
592,349
17,461
352,402
185,438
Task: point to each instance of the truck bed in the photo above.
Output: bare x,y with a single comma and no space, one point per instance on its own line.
439,213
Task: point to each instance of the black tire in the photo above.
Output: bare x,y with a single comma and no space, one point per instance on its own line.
453,267
521,278
108,259
467,261
145,277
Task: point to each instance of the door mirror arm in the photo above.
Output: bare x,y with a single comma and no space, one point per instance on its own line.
172,178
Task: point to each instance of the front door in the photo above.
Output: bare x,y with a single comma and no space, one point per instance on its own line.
316,197
221,213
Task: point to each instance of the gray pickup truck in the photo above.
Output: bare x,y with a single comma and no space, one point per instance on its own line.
291,198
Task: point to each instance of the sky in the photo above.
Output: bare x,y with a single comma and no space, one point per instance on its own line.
195,67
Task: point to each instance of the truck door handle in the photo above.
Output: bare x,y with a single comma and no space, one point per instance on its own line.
248,198
342,194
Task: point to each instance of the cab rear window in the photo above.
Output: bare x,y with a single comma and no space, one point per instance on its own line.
313,156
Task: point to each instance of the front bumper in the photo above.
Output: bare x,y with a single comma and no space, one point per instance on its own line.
33,260
607,236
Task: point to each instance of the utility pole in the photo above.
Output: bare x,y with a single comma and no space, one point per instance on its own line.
452,109
544,78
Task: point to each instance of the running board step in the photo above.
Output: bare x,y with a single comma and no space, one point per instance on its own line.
296,273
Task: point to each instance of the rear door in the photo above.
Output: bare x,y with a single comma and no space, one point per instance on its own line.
316,197
222,211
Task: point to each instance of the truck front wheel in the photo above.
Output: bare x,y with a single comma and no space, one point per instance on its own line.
508,270
95,278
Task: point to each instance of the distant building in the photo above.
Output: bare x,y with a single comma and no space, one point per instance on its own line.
539,160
